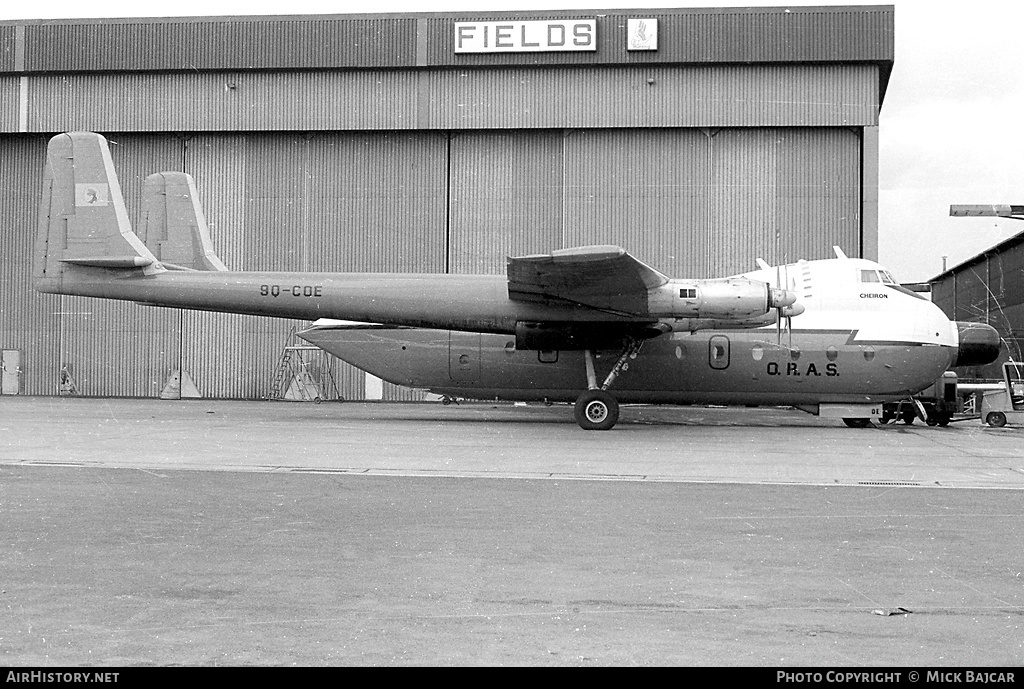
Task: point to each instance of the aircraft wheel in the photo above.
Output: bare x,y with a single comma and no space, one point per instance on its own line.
996,419
857,423
596,410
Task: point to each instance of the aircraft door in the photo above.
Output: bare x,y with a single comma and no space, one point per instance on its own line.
718,352
464,356
11,381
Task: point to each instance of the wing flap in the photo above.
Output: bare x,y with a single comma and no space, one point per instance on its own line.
605,278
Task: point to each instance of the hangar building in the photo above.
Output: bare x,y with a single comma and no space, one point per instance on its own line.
699,139
988,288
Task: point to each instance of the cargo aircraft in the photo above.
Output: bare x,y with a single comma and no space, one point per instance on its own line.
591,325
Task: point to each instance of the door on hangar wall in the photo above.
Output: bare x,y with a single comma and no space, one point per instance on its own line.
10,372
708,202
505,197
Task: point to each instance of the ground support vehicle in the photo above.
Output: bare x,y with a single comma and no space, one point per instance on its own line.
999,407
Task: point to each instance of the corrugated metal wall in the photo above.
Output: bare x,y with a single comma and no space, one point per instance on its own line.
726,35
644,189
510,98
219,43
1007,312
506,198
706,203
29,321
989,289
8,47
691,202
10,103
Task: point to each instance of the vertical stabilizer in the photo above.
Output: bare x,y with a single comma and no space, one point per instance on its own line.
173,224
82,216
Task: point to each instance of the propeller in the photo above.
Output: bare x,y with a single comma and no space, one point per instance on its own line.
783,300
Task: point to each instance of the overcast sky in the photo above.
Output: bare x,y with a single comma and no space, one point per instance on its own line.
950,122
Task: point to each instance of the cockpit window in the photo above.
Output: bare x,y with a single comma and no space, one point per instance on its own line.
877,276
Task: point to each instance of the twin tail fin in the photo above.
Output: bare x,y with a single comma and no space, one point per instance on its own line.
84,225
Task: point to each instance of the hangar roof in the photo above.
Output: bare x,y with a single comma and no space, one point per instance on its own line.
854,34
1002,247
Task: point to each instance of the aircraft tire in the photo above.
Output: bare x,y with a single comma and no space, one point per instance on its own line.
857,423
596,410
996,419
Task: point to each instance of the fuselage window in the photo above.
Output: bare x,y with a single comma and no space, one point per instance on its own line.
869,353
832,353
547,356
687,292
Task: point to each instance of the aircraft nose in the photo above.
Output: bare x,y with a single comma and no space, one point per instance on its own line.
979,344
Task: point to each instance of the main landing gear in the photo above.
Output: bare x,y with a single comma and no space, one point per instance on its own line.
596,409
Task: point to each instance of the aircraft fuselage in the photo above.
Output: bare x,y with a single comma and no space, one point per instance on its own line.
705,367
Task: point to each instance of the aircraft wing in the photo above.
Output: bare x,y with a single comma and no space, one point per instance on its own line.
605,278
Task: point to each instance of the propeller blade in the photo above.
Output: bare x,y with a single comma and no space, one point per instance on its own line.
778,309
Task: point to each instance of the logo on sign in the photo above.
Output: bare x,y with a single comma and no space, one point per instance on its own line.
525,36
643,34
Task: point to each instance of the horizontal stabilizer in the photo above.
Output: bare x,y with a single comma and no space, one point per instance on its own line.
110,261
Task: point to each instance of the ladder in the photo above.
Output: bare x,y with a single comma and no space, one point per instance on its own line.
292,377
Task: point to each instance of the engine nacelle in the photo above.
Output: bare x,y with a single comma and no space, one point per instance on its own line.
725,299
